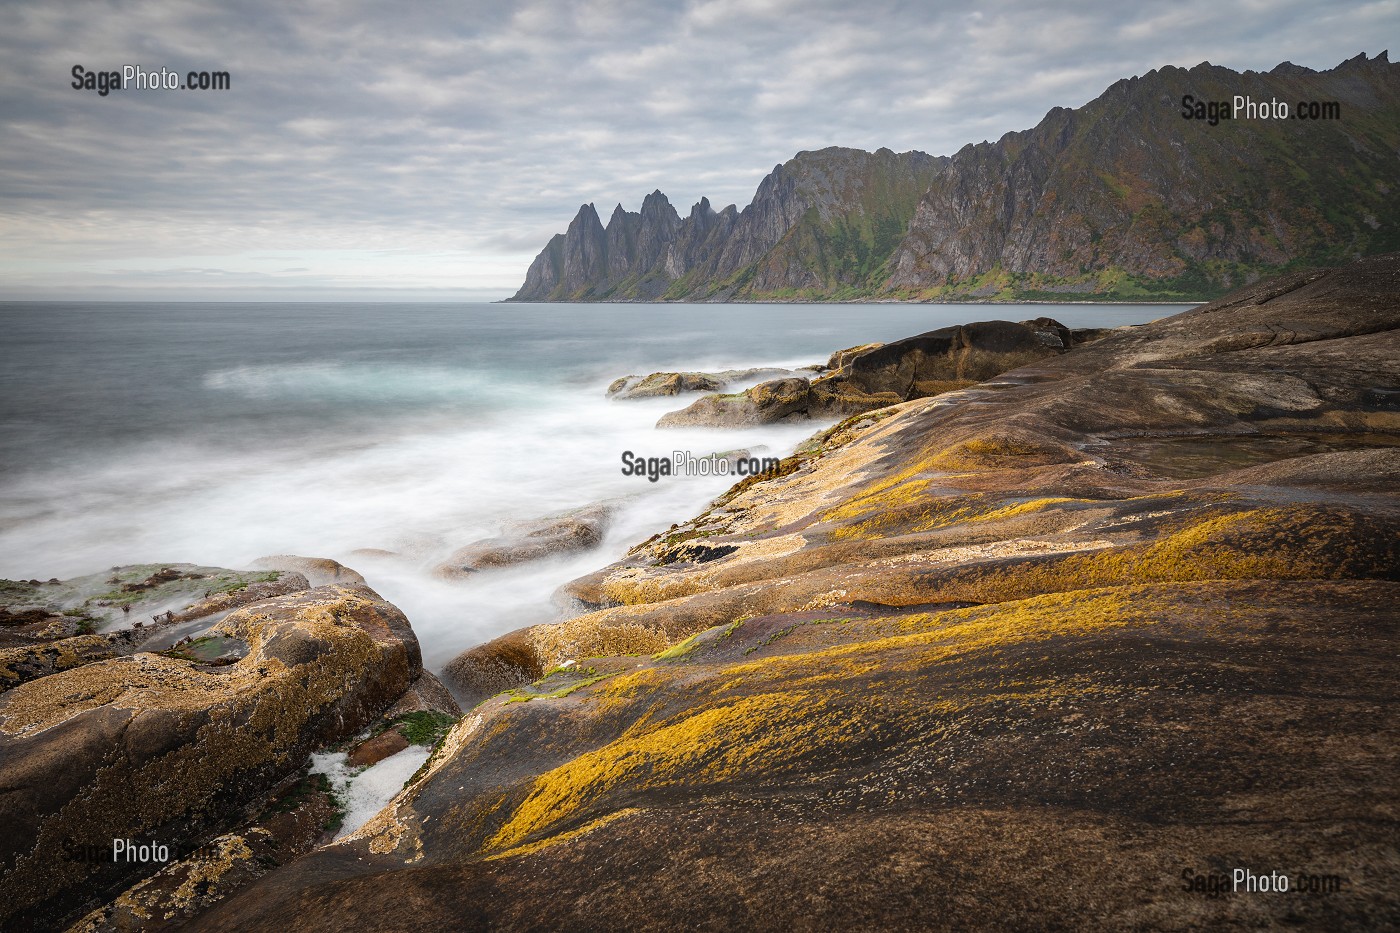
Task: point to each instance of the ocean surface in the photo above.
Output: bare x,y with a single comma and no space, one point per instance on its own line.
217,433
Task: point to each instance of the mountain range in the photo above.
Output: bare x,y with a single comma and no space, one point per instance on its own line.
1141,194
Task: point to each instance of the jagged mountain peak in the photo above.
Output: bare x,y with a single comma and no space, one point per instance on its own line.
1125,197
1120,197
824,216
587,214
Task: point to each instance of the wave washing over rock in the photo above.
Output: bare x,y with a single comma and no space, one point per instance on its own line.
1124,614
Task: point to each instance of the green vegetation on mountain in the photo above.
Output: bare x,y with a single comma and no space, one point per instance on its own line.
1121,199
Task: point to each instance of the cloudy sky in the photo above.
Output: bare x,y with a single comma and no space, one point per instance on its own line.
428,150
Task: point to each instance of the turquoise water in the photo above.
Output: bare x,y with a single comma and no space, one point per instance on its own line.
216,433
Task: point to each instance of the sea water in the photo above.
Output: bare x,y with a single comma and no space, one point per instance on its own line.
384,436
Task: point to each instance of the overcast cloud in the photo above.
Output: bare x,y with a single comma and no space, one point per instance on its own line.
429,150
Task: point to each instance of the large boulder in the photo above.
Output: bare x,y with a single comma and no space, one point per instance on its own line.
962,353
167,749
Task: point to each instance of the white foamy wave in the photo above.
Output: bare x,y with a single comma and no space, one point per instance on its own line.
374,382
418,487
364,792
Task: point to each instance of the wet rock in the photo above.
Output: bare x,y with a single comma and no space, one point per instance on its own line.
874,376
27,626
486,670
30,662
376,748
658,384
663,384
428,694
282,584
63,633
575,530
158,748
319,571
765,403
97,602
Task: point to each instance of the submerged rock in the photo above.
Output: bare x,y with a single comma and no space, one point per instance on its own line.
663,384
575,530
318,570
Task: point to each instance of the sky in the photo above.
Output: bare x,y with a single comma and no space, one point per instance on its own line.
427,151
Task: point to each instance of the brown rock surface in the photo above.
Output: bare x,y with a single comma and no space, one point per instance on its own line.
320,571
664,384
427,695
485,670
777,400
296,820
160,749
287,582
874,376
575,530
376,748
990,661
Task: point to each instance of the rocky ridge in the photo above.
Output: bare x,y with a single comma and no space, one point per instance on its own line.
1124,196
1121,198
821,220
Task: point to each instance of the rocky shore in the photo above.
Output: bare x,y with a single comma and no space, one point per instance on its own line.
1048,648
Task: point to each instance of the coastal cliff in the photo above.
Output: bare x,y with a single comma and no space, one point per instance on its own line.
1122,198
1055,650
822,220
